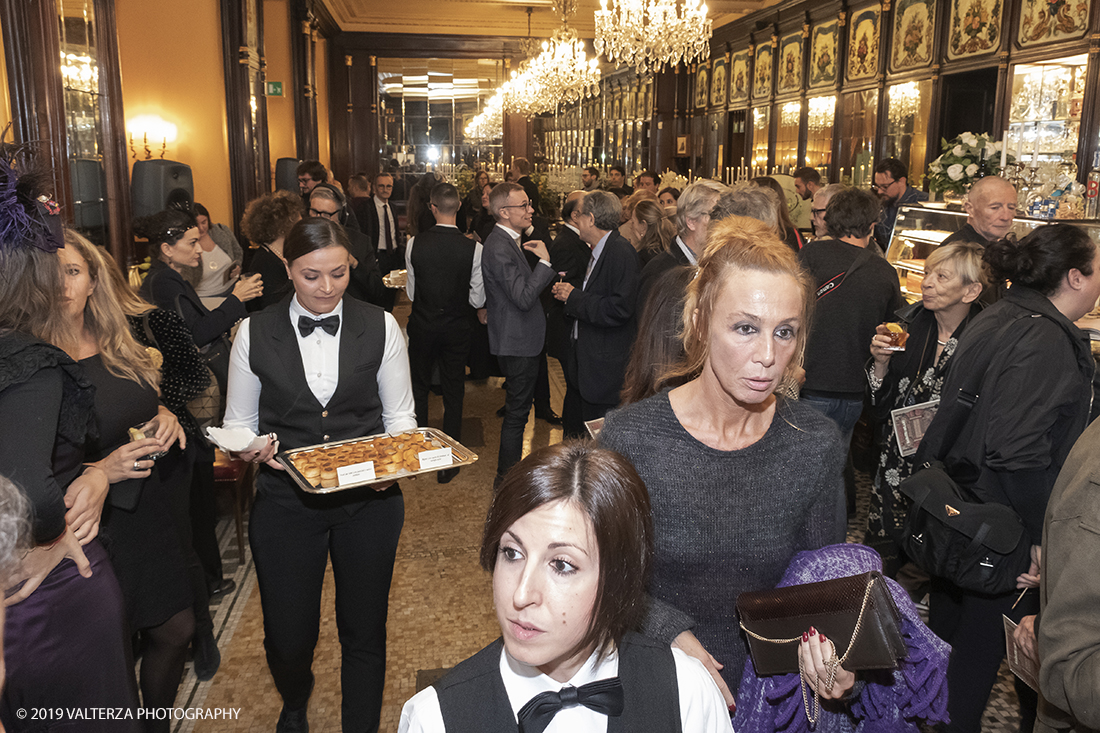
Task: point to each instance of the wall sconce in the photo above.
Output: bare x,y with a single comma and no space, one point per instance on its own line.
150,127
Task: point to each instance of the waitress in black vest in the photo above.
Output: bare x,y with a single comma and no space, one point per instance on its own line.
569,540
313,368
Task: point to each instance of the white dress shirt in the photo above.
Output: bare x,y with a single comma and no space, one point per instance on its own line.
519,241
477,286
687,251
378,204
321,361
702,709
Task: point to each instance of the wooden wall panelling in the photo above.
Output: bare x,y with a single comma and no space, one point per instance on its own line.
242,49
1090,105
886,34
116,163
340,65
30,29
303,91
662,135
841,56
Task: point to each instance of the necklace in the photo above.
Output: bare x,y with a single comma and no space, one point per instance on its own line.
941,343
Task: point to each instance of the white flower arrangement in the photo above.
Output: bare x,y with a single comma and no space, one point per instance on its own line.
959,164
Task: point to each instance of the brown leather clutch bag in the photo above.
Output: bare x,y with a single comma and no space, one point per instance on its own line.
856,613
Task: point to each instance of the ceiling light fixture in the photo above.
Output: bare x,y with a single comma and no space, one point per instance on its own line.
647,34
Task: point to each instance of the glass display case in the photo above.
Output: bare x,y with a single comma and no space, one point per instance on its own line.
920,229
1045,116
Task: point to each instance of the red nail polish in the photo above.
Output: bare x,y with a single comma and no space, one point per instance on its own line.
805,636
812,631
822,638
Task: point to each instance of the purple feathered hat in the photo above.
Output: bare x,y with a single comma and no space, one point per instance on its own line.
889,701
28,218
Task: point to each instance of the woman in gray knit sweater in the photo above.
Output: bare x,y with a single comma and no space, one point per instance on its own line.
740,479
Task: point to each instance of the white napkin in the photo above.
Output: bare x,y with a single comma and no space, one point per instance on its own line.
236,440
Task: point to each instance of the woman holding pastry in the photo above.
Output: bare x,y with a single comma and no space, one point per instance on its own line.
314,368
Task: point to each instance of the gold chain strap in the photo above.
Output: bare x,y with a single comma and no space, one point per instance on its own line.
834,661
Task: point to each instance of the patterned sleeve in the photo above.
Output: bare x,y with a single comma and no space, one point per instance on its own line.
184,374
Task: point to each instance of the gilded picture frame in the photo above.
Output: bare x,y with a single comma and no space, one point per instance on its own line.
702,86
762,71
719,83
975,28
1047,21
740,81
790,62
823,50
863,43
914,33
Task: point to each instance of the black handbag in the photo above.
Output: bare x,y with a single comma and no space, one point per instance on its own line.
856,613
978,546
215,354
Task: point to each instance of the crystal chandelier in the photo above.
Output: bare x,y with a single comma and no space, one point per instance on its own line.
561,74
821,113
904,102
789,114
489,124
647,34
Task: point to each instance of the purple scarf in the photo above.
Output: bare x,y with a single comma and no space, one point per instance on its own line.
889,701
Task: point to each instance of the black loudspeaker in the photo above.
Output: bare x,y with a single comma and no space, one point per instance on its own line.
286,175
157,185
89,193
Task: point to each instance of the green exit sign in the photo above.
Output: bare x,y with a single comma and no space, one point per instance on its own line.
274,88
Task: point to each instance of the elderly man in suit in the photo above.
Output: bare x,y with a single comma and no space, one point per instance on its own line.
516,320
601,311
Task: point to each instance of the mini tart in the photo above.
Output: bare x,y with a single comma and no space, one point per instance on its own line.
328,478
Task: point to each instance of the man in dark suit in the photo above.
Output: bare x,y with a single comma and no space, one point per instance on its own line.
692,217
359,198
521,170
381,227
365,282
570,255
444,283
602,310
517,323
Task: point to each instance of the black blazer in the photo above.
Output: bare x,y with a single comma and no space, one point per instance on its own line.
605,313
670,259
276,282
372,227
366,278
568,254
166,288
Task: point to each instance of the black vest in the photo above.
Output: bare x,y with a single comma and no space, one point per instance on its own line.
472,697
288,406
442,260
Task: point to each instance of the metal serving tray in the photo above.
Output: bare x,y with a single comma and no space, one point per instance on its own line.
461,456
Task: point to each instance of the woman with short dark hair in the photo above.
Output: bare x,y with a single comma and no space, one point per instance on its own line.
220,267
1032,405
568,539
314,368
266,222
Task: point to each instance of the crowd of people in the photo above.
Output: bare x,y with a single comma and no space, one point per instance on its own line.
717,360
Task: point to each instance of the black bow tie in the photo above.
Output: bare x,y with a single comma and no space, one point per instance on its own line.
306,325
603,696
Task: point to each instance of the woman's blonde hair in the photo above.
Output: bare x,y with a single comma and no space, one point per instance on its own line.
966,257
736,244
105,318
660,231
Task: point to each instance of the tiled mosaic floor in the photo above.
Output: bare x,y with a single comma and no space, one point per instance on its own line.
440,603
